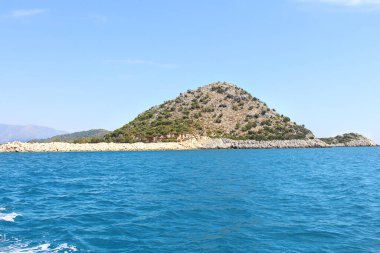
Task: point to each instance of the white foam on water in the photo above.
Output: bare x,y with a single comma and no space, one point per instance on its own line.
65,246
42,248
19,247
10,217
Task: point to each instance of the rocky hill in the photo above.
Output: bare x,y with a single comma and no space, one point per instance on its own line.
349,139
92,135
217,110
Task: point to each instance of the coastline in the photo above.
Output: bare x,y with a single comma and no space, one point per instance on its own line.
190,144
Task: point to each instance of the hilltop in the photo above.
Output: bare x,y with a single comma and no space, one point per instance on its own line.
92,135
217,110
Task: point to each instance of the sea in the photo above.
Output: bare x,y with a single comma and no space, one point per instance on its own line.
275,200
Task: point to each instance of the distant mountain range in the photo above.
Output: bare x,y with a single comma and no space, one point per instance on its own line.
26,133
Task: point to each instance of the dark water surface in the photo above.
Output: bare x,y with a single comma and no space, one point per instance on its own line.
289,200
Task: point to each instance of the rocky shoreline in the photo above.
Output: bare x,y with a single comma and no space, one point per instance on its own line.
190,144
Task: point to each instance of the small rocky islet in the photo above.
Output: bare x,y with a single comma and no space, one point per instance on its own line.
216,116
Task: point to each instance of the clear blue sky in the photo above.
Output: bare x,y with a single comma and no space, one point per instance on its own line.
76,65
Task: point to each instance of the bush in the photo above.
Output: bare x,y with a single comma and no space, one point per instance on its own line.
229,96
195,105
197,115
218,89
266,123
249,126
208,109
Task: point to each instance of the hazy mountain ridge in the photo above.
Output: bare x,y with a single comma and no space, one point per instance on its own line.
217,110
9,133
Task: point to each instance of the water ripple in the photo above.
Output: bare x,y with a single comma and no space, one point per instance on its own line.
296,200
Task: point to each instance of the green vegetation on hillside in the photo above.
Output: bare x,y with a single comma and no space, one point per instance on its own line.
341,139
94,135
218,110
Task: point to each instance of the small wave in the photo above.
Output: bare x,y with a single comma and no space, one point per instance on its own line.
10,217
42,248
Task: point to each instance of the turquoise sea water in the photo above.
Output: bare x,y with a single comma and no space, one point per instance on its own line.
293,200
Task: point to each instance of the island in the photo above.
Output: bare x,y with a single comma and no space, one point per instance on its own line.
216,116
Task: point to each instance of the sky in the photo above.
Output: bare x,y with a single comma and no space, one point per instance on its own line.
79,65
